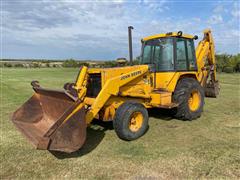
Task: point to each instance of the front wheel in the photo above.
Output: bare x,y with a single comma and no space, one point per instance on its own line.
189,94
131,121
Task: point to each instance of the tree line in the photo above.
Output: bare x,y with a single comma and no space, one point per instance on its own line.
225,63
228,63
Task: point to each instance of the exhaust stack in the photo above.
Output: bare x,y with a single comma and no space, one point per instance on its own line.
130,44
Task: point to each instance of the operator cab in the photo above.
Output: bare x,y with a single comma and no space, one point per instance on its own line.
169,52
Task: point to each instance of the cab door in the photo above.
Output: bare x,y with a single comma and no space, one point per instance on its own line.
164,62
170,57
173,57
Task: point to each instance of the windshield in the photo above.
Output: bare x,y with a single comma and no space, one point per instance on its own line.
159,52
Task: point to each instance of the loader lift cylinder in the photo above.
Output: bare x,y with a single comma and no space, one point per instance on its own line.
130,44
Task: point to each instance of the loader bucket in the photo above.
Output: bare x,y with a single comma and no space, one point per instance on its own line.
48,121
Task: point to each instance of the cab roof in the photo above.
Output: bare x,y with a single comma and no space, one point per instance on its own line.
169,34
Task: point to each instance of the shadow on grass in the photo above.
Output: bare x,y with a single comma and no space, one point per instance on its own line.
161,114
95,134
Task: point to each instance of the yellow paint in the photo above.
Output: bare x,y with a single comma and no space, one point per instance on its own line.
81,83
164,98
111,87
136,83
81,78
116,101
174,34
73,112
205,54
163,79
89,101
136,121
194,101
168,80
109,113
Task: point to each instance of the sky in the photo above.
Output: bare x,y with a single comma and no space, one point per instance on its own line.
97,30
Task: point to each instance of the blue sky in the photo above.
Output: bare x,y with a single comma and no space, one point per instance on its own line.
98,29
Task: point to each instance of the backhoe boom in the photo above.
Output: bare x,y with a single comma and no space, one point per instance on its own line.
205,55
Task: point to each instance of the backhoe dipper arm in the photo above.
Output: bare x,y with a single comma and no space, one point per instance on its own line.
205,54
111,87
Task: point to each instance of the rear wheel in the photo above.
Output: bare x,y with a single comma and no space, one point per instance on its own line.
189,94
131,121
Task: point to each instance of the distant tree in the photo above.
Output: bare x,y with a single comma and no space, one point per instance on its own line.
36,65
228,69
70,63
136,61
110,64
229,63
234,62
222,61
237,68
7,65
19,65
82,64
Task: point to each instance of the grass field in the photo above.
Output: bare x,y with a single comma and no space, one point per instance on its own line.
205,148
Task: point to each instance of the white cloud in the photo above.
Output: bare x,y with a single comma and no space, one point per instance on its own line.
159,6
219,9
236,10
215,19
88,28
118,1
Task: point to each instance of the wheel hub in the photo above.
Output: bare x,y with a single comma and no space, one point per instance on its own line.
194,100
136,121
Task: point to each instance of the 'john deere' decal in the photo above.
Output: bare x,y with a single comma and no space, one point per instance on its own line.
130,75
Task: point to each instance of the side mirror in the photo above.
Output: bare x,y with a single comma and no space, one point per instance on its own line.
179,33
195,37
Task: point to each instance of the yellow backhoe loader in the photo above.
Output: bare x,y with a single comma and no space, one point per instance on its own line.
172,74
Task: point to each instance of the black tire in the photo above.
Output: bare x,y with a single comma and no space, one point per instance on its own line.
123,118
181,95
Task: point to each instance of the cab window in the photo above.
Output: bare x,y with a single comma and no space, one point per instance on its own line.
163,55
181,57
146,57
191,55
159,52
169,54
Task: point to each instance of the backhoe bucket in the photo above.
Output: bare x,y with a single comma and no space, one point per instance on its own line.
212,89
52,120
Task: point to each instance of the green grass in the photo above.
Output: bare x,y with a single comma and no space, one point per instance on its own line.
205,148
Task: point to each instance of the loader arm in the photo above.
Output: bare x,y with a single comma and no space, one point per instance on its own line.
205,55
111,87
